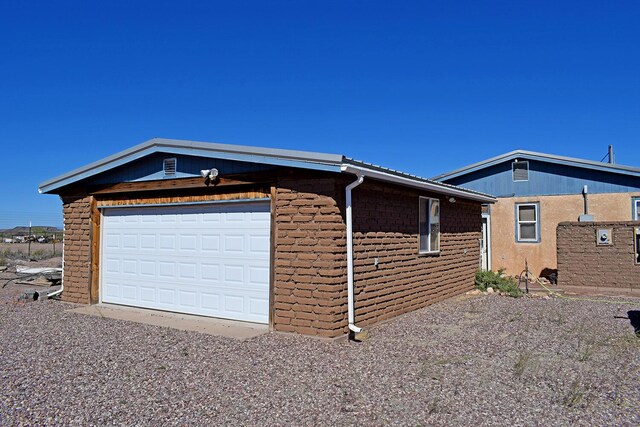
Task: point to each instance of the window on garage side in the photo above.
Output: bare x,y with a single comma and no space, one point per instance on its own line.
429,233
528,222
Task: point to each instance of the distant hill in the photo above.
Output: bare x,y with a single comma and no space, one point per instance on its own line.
36,229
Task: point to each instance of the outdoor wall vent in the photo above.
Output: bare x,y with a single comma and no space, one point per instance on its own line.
604,236
169,166
520,171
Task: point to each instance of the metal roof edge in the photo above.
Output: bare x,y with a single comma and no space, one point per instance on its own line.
532,155
401,178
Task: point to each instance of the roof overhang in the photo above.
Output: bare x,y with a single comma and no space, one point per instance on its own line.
278,157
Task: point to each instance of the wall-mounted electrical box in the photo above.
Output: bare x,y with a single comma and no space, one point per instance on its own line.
604,236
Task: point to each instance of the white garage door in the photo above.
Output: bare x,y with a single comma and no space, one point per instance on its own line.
210,260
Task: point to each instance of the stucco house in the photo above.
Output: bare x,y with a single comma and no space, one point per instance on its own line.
536,192
305,242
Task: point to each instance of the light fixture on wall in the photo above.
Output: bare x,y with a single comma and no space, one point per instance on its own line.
452,199
210,174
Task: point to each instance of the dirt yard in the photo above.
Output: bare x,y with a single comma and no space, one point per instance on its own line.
478,360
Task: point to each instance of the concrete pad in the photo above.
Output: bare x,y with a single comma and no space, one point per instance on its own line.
184,322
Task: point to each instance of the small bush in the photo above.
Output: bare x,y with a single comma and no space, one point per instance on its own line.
497,281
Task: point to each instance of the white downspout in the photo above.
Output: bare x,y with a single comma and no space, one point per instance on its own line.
350,292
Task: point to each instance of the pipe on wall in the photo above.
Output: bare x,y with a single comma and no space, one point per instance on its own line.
585,192
350,285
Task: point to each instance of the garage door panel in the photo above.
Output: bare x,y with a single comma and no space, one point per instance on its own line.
189,242
258,276
210,243
208,260
234,244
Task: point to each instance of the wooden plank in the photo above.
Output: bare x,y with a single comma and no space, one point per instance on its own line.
184,183
169,184
94,272
146,199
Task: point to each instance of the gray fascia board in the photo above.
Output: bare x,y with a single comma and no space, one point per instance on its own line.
280,157
532,155
395,177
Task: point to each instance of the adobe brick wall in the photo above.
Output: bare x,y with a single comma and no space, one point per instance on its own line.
386,227
77,253
581,262
310,287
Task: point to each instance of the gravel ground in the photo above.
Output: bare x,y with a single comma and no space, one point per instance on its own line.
482,360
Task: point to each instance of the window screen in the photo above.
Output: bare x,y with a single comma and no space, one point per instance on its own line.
520,171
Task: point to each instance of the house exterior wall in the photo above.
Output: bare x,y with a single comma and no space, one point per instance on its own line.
310,290
582,262
386,227
542,256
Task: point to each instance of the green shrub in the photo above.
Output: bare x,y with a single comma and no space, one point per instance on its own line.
497,281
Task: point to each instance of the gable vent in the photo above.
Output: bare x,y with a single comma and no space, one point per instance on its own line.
520,171
169,167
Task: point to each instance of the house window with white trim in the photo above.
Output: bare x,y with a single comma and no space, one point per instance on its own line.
528,222
636,208
429,233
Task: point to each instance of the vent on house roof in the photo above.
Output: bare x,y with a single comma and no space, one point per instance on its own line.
520,171
169,166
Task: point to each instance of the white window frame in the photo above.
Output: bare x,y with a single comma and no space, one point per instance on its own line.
536,222
636,208
425,204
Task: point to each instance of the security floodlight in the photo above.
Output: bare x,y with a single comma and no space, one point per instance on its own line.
209,173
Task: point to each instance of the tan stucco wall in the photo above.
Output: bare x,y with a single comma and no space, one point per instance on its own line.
507,254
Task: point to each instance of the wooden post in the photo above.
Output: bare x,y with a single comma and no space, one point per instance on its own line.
94,273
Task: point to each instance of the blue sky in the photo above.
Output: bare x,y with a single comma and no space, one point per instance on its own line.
419,86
